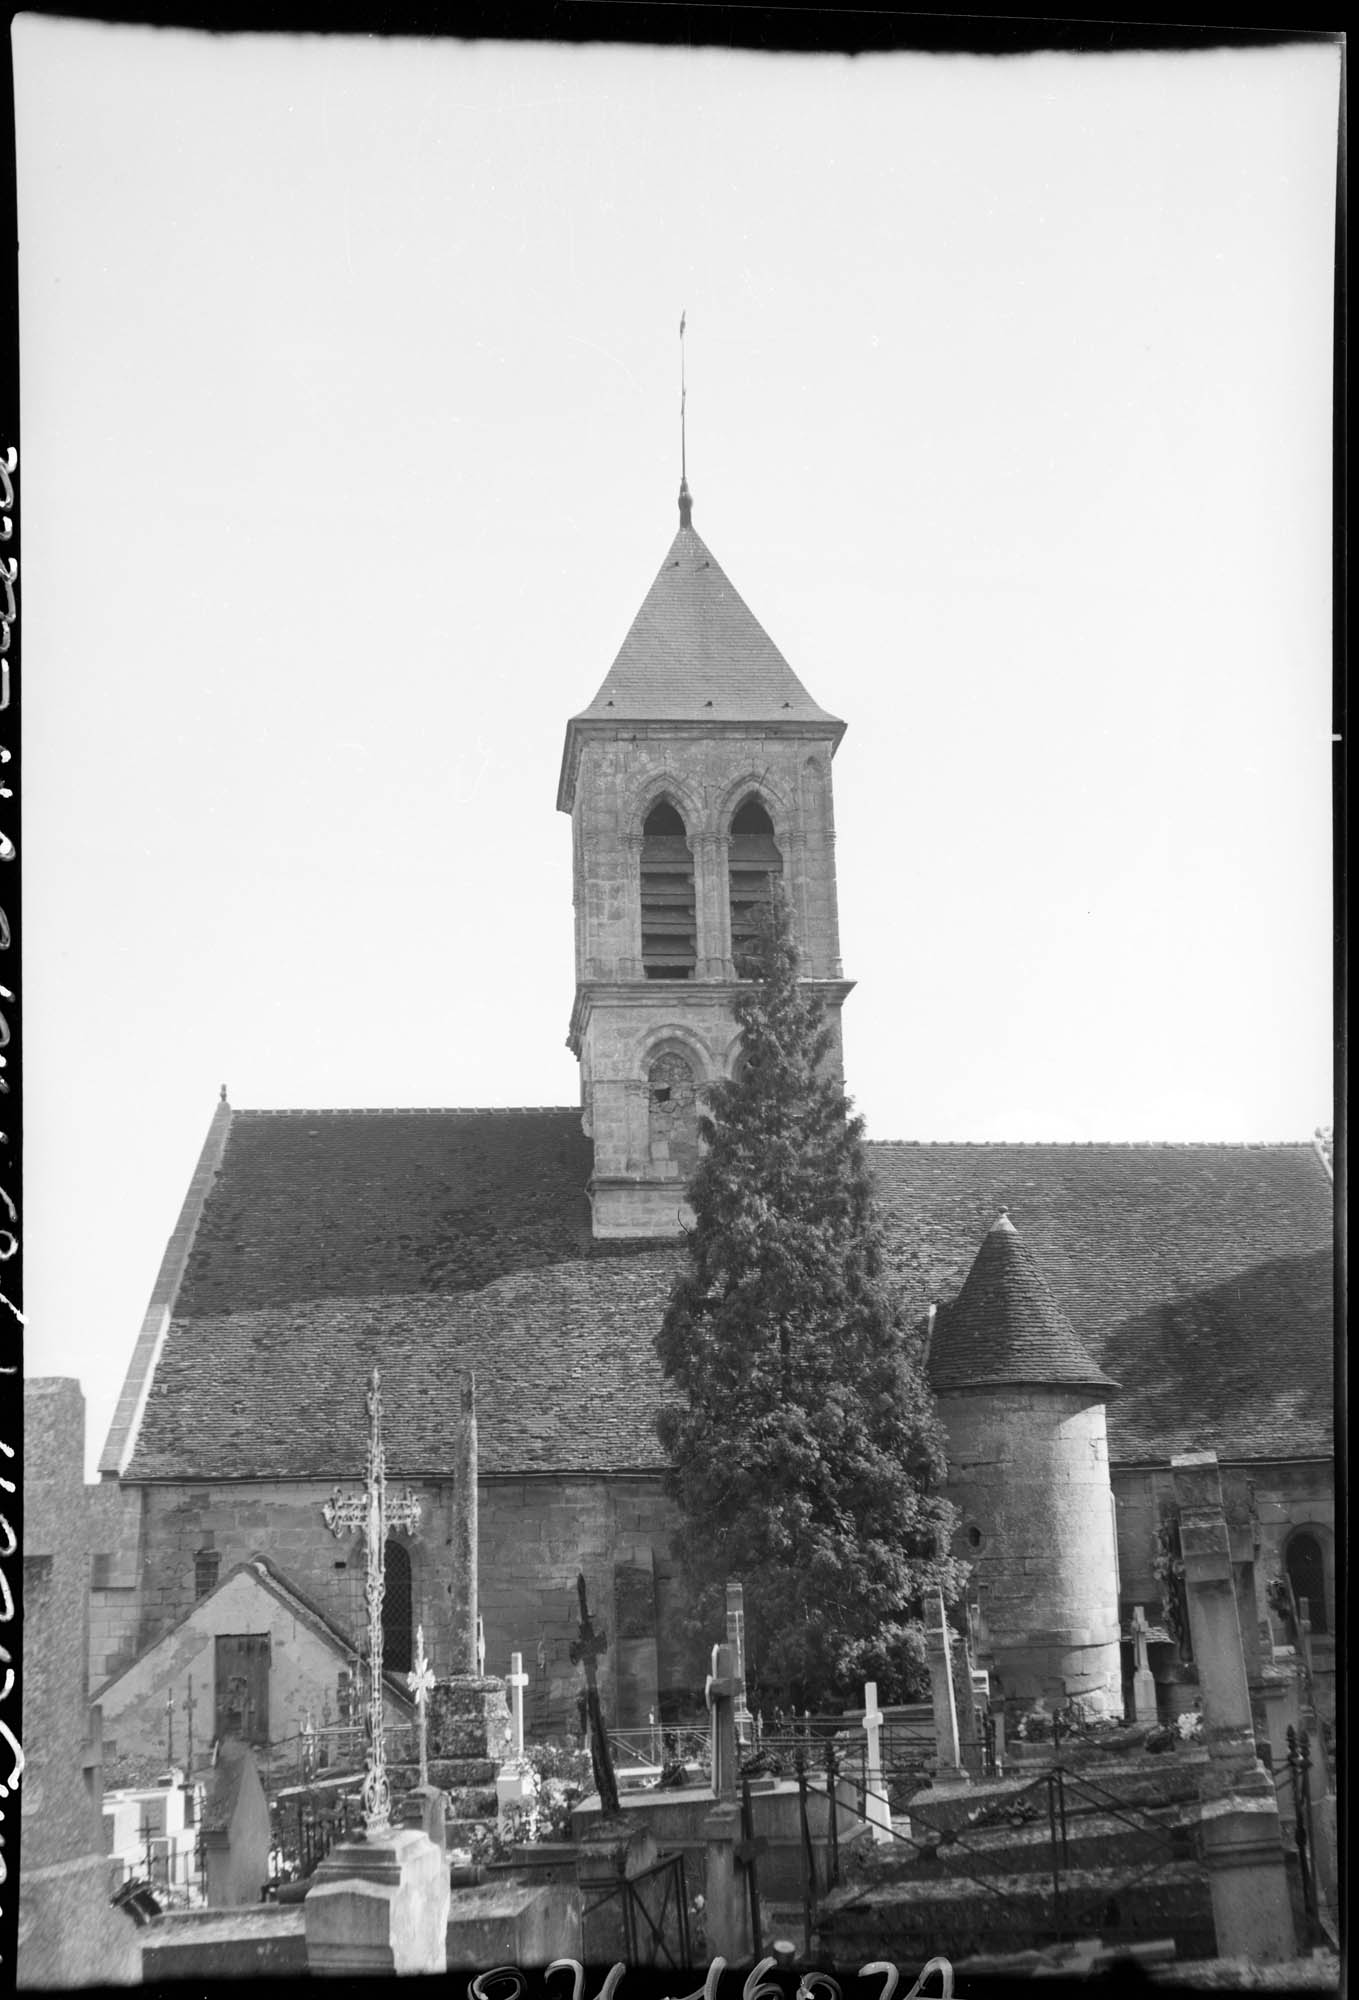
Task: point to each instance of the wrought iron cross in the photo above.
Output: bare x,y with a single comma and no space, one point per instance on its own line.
170,1726
420,1680
376,1516
189,1706
586,1651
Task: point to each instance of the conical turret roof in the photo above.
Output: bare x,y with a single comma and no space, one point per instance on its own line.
1006,1326
697,653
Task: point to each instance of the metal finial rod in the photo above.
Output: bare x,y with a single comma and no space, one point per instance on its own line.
683,467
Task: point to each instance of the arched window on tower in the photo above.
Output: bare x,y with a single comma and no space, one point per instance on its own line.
1307,1573
669,932
672,1115
397,1651
754,864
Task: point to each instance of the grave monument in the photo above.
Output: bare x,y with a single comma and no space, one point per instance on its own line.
379,1904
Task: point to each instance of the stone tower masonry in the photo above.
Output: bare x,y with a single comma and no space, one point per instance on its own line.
701,768
1022,1405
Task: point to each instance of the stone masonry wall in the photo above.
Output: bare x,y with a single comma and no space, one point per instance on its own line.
536,1535
1029,1470
707,775
282,1520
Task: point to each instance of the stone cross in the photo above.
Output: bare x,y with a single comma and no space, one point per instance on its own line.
720,1696
420,1680
736,1639
1143,1685
376,1515
586,1651
875,1802
517,1681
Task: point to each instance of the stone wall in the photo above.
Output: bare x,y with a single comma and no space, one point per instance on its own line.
1285,1496
535,1535
304,1670
1029,1471
622,1021
282,1520
67,1935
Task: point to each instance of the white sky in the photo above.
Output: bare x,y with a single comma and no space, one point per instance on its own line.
350,421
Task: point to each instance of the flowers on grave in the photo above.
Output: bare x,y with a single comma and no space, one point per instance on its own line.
1189,1726
1036,1726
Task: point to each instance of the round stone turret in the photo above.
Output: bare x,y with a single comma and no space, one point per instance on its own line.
1023,1407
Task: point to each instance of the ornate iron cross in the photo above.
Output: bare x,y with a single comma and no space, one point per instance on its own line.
376,1516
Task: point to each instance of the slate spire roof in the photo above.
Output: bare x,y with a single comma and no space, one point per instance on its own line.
1005,1325
696,652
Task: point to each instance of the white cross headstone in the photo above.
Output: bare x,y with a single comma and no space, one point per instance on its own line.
875,1803
518,1681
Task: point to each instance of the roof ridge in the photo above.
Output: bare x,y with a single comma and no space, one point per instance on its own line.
403,1110
1111,1145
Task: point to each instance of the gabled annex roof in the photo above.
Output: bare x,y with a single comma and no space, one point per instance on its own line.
1006,1326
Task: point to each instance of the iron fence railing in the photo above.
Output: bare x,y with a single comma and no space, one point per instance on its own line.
655,1910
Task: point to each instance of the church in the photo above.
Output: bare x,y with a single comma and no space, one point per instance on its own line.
506,1271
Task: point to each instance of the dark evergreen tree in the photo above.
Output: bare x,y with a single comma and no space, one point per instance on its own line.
804,1449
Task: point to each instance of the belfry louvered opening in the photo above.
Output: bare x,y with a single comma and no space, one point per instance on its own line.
669,931
754,864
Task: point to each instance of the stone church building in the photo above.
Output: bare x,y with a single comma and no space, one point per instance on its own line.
507,1269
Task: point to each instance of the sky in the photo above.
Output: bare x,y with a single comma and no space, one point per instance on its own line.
350,416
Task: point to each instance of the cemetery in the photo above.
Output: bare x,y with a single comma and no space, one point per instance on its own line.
951,1828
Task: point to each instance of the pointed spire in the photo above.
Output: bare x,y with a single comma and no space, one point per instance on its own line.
686,504
1006,1325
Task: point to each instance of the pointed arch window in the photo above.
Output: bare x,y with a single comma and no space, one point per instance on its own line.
397,1652
754,864
669,929
1306,1568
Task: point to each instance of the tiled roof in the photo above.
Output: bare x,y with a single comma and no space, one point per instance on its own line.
566,1379
1005,1326
1198,1277
696,653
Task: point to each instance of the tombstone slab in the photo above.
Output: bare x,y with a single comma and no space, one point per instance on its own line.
379,1905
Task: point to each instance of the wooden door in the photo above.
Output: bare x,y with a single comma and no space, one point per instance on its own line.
242,1687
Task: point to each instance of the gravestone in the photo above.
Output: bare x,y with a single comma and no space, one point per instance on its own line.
1239,1814
1143,1683
68,1933
876,1806
949,1768
736,1639
235,1833
726,1912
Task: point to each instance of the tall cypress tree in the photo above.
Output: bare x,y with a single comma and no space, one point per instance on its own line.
804,1449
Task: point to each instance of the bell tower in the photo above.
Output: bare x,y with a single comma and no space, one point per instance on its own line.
701,769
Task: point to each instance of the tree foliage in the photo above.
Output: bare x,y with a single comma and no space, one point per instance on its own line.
804,1449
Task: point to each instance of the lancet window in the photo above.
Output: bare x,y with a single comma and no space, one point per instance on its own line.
397,1650
754,864
669,929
